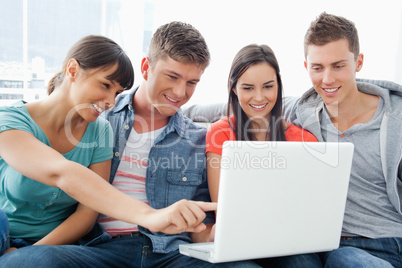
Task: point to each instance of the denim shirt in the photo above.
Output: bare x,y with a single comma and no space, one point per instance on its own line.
176,167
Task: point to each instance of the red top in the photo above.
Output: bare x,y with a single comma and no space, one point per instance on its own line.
220,131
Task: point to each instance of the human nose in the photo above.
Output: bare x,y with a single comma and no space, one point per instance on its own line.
110,100
179,90
259,95
328,77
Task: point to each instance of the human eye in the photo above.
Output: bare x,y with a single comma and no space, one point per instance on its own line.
106,85
316,68
172,77
268,86
191,83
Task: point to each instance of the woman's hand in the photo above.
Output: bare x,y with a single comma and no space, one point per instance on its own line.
182,216
212,234
32,158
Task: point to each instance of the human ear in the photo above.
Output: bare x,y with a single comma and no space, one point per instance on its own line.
305,64
72,69
359,62
145,67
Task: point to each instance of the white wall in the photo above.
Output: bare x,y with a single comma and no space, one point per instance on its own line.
229,25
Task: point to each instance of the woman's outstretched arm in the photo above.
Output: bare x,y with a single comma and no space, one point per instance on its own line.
30,157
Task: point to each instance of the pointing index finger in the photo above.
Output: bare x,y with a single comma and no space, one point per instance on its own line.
207,206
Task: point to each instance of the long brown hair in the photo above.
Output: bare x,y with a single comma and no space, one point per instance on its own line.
248,56
95,51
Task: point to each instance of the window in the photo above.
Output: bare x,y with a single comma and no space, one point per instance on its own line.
36,34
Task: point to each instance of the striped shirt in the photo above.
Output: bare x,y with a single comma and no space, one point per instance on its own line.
130,177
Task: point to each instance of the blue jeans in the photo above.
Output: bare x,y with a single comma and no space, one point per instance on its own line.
379,252
311,260
354,253
116,252
4,235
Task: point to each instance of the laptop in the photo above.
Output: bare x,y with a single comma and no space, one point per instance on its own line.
277,199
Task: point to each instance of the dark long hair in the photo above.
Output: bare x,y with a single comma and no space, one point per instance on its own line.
95,51
248,56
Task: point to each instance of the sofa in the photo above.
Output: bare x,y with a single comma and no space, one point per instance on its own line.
205,114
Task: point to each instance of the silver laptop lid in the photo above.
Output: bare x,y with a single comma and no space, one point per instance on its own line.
280,198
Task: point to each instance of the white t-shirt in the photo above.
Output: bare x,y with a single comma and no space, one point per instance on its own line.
130,177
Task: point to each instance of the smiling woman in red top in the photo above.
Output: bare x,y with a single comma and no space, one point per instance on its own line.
254,109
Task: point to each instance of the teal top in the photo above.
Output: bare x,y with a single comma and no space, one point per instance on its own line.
34,209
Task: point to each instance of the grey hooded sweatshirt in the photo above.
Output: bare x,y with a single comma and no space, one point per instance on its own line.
306,112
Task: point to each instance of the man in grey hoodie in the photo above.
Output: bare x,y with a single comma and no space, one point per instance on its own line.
367,113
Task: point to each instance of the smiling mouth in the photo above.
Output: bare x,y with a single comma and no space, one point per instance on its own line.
172,100
97,108
258,106
330,90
